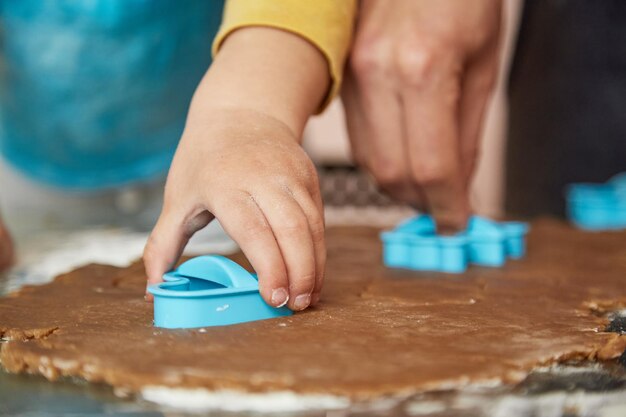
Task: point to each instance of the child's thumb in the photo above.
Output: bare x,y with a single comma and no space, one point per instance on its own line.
167,242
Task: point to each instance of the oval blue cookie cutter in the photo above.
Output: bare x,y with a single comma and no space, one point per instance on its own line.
598,206
414,244
209,291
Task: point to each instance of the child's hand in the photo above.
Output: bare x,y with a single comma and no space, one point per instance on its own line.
248,170
239,160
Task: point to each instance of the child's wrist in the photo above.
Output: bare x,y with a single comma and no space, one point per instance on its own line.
260,70
223,130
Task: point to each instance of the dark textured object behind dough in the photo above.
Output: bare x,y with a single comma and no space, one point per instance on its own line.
567,93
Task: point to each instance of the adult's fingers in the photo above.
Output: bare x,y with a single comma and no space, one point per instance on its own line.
431,120
355,121
168,239
478,83
291,230
374,116
246,224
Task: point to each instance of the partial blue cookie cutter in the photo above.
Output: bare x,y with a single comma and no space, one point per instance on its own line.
415,245
209,291
598,206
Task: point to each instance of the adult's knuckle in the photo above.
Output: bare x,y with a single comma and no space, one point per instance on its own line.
430,173
369,56
386,172
416,61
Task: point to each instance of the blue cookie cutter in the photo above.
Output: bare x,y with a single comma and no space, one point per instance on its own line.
414,244
209,291
598,206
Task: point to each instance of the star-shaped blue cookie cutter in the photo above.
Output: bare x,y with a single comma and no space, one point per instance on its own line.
598,206
209,291
414,244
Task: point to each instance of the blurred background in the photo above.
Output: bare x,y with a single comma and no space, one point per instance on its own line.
76,72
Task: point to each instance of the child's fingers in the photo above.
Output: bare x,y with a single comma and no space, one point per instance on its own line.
291,229
314,211
246,224
167,241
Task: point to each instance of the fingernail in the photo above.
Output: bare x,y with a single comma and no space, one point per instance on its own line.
302,301
280,297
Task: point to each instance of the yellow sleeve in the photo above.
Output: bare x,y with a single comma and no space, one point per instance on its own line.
327,24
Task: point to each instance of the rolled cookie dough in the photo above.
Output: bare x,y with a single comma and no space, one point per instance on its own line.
377,331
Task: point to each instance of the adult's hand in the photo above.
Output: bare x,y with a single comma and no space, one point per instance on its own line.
418,81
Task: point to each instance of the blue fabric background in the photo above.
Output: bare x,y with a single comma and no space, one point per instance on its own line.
94,93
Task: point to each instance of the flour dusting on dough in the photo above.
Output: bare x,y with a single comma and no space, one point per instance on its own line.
54,253
201,400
